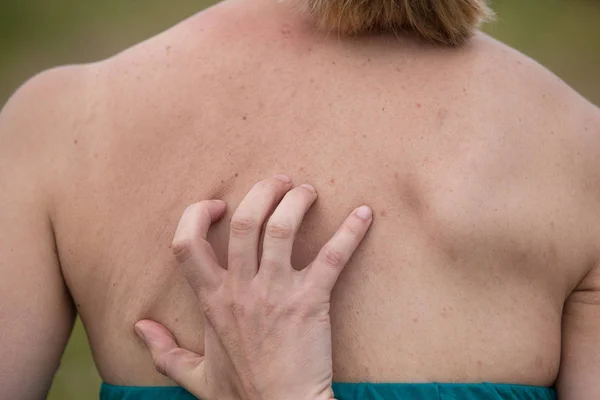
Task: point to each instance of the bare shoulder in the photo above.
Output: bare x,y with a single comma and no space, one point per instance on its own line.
512,71
527,91
555,130
36,124
64,106
37,114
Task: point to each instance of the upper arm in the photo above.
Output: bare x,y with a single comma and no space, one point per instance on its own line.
36,313
579,377
580,361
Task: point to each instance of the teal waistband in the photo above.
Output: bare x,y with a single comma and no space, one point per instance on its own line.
365,391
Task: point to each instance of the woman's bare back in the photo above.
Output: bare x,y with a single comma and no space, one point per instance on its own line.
484,213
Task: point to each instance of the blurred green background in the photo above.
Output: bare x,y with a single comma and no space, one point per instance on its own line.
563,35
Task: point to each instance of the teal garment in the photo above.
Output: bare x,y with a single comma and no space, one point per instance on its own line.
365,391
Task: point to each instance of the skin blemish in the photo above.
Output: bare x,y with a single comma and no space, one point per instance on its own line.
419,105
75,142
383,213
396,175
78,305
415,320
236,175
332,181
245,118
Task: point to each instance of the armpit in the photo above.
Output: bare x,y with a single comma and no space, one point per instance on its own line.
588,290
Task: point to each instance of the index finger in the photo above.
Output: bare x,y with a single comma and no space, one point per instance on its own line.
334,256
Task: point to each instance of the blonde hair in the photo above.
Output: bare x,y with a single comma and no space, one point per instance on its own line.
450,22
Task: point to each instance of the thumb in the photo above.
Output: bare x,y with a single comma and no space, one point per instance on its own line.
184,367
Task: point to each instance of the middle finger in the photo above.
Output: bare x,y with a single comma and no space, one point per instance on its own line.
247,222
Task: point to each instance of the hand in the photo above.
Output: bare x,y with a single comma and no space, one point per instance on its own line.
267,325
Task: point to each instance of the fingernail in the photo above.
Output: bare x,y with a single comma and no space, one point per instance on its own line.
364,213
309,188
283,178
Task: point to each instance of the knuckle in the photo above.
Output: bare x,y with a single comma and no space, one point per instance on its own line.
352,229
304,310
193,208
269,307
310,305
279,230
239,309
263,297
164,362
242,226
182,249
270,262
192,211
332,257
267,185
210,311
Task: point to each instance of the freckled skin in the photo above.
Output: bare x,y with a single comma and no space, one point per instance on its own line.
476,230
